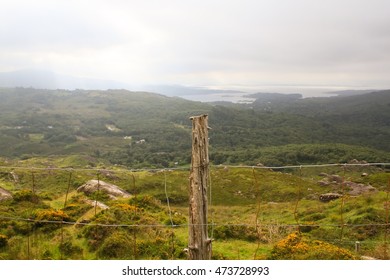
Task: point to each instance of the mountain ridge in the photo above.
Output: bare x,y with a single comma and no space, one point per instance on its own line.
45,79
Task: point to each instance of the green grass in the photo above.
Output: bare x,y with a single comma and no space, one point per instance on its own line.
36,137
250,209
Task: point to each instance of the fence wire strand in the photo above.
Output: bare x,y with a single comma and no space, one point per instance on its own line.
186,225
32,168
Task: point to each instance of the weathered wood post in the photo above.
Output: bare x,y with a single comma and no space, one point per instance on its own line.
199,244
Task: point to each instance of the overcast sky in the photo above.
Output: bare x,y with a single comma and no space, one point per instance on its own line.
340,43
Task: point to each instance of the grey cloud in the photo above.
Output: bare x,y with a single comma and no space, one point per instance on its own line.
197,41
53,28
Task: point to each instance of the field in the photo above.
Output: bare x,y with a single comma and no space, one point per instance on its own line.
253,212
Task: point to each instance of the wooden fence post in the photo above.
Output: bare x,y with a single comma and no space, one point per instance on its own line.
199,243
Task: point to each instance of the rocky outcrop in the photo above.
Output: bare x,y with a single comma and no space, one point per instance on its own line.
350,188
355,161
111,190
329,196
97,204
358,189
5,195
330,179
337,179
323,183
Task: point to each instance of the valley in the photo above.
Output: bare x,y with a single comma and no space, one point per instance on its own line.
287,174
139,129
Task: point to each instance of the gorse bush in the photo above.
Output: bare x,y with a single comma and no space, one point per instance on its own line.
297,246
43,215
49,219
25,195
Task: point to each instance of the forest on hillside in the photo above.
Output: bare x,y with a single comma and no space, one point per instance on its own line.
140,129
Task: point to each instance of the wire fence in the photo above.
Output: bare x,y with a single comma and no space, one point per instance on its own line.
344,204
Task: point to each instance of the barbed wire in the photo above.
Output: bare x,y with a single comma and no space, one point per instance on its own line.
308,165
32,168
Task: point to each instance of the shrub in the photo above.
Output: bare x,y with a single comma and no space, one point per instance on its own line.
70,250
308,227
42,215
175,220
96,234
126,213
21,227
127,207
146,202
174,198
242,232
26,195
3,240
17,249
117,246
75,210
48,218
368,221
159,248
298,247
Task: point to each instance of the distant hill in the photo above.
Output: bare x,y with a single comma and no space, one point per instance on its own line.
359,104
268,98
179,90
351,92
43,79
139,129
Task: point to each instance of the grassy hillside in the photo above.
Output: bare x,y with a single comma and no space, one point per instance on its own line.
253,213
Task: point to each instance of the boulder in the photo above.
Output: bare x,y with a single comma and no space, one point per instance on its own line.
111,190
358,189
5,195
323,183
355,161
15,177
97,204
335,178
329,196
